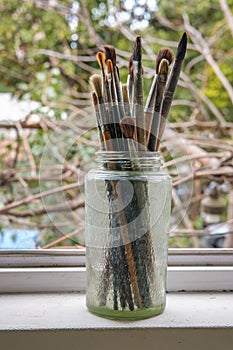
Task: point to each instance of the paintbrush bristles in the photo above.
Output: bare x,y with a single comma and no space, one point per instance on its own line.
94,98
100,56
126,100
164,54
96,81
130,67
137,51
128,127
109,66
110,53
125,93
168,55
163,67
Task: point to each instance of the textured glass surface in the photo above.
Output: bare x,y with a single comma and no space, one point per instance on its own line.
127,218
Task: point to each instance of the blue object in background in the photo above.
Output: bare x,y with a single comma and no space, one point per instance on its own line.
19,239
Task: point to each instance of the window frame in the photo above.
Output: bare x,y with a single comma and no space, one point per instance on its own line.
63,270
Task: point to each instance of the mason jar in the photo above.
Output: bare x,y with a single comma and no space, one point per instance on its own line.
128,202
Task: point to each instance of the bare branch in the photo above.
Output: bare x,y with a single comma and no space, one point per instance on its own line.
204,49
193,157
62,239
27,148
200,96
38,196
184,216
201,125
227,13
70,205
223,172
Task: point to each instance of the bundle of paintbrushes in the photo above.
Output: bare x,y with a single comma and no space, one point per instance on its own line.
128,130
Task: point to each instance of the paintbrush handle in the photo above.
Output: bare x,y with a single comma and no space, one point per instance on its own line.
138,88
166,104
130,86
119,92
138,110
140,122
155,126
168,96
171,87
151,97
154,130
107,90
167,101
161,85
101,138
161,131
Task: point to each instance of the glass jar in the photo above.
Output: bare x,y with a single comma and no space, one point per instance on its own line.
128,201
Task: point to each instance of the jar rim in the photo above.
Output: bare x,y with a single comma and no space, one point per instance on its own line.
126,154
144,158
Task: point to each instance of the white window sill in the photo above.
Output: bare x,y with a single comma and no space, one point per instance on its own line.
64,270
61,321
73,279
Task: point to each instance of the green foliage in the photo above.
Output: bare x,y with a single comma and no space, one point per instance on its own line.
199,11
198,223
209,20
180,242
25,30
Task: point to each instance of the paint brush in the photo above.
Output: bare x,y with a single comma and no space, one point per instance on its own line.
100,56
96,81
167,54
171,85
137,97
161,83
109,95
137,71
163,54
130,79
115,112
110,54
111,80
95,103
128,128
126,100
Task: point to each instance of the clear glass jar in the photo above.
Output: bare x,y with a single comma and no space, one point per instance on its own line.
128,201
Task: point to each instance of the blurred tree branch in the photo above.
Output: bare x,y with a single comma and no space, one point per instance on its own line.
227,13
